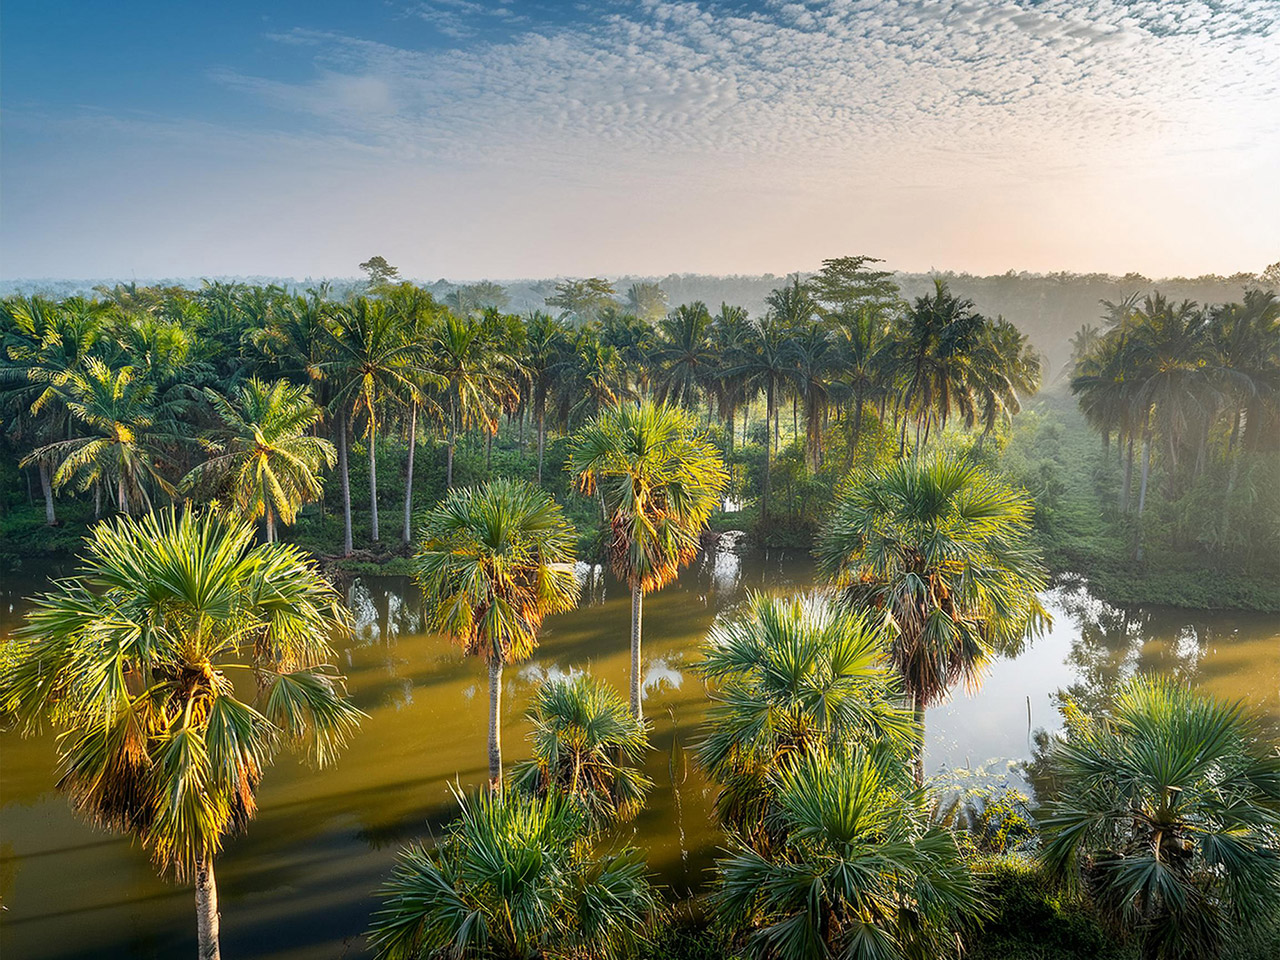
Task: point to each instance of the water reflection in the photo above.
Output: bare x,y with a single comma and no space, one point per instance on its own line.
298,885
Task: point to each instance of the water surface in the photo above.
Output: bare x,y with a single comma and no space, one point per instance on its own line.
299,884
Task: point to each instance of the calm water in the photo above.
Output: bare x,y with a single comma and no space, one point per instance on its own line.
298,884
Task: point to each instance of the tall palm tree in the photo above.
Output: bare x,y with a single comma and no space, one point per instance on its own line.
813,357
494,562
860,871
134,661
683,354
935,352
44,344
765,367
1005,368
547,347
478,378
122,451
864,347
941,548
659,481
788,677
586,747
264,461
368,361
1168,806
728,383
512,877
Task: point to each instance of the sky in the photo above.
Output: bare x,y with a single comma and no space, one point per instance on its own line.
501,138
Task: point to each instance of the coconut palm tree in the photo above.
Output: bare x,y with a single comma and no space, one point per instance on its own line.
134,661
683,354
1167,808
264,462
659,481
728,383
494,562
788,676
813,359
478,378
546,352
122,451
512,877
860,871
586,746
864,346
941,548
368,361
1005,368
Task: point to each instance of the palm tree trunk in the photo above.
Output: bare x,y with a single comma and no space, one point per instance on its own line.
495,723
453,439
1146,469
637,613
271,526
406,535
46,487
1128,477
97,499
122,496
207,911
918,761
344,472
542,440
373,481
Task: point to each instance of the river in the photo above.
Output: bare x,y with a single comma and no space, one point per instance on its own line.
299,884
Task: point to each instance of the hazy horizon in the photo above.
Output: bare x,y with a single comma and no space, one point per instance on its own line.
496,139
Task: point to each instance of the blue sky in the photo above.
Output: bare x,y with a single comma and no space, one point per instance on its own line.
472,138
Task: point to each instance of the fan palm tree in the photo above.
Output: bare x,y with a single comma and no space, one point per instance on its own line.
123,450
512,877
787,677
860,872
941,548
134,661
1168,808
265,462
586,746
494,562
659,481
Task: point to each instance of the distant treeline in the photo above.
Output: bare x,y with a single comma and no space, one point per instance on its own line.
1049,307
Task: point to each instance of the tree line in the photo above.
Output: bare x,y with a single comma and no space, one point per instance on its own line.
252,395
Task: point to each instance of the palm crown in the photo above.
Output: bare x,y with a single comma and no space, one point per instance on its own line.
266,463
135,661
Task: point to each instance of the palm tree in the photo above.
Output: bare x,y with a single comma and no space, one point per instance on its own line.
765,366
368,361
1005,368
122,452
546,350
683,354
494,562
46,343
728,383
864,364
813,357
941,548
659,481
478,378
860,871
134,661
1168,807
512,877
586,747
934,359
787,677
265,462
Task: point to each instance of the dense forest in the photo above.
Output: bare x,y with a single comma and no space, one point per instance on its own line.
199,450
307,408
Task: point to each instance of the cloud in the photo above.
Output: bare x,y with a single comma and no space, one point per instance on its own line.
1016,88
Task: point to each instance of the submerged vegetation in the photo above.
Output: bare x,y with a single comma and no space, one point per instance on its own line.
155,429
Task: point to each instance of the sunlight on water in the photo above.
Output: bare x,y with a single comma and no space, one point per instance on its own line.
299,883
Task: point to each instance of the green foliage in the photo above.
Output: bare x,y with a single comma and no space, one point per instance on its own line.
1166,809
860,872
586,747
133,661
789,677
512,877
